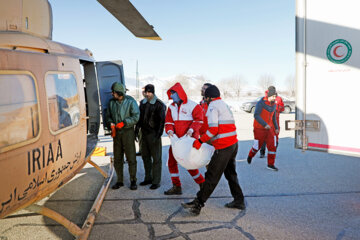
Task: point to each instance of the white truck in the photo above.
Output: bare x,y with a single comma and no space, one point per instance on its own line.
327,76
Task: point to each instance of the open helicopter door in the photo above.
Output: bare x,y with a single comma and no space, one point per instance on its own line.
327,81
108,72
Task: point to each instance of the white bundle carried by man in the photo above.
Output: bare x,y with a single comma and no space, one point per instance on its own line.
189,157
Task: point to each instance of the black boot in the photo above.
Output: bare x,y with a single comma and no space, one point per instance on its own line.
133,185
236,204
175,190
196,209
249,159
145,182
117,185
154,186
190,204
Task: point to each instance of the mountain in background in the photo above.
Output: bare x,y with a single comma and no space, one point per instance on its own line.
192,84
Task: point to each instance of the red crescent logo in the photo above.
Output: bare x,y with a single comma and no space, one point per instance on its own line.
334,52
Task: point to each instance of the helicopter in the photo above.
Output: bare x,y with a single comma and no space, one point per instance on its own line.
51,95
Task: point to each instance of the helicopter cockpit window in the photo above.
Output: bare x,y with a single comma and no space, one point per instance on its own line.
63,100
19,111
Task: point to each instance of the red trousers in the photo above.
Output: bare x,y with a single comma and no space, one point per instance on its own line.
174,171
268,136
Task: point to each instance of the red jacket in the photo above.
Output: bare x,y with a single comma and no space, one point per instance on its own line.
180,119
221,125
265,114
279,107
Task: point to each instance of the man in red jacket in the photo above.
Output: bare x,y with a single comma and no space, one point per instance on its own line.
279,108
222,133
265,128
183,117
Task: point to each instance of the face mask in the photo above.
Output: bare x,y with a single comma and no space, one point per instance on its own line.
175,97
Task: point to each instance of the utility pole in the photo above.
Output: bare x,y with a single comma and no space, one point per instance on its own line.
137,82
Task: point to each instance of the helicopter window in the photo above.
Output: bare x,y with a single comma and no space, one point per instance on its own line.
19,112
63,100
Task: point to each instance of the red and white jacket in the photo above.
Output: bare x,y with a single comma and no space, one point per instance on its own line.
189,115
222,129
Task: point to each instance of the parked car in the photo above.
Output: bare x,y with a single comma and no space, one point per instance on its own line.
289,105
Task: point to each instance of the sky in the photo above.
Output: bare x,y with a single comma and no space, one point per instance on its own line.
216,39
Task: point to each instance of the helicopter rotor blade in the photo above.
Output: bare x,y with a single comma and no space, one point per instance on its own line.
129,16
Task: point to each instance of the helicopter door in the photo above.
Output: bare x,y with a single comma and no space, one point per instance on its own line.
108,72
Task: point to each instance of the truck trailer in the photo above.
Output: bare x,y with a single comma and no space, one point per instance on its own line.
327,76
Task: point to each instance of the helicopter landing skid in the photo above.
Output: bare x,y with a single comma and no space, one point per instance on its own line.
84,232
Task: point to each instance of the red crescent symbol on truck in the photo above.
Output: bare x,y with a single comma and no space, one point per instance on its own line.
334,52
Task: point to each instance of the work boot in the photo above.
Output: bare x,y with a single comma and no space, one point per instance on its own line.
117,185
196,209
175,190
236,204
190,204
145,182
249,159
133,185
154,186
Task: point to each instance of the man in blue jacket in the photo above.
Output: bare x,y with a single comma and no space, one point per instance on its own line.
265,128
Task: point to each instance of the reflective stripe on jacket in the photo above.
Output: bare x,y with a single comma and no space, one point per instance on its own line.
222,130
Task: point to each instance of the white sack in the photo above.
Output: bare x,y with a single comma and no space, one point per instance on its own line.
189,157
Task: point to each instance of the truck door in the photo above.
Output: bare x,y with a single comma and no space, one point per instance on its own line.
327,77
108,72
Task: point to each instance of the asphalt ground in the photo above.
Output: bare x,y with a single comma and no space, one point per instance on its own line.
314,195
